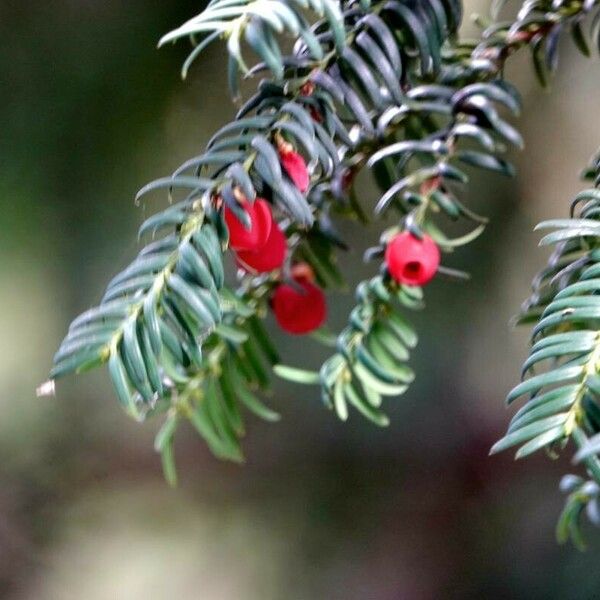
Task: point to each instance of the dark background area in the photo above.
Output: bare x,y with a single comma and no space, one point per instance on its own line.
89,112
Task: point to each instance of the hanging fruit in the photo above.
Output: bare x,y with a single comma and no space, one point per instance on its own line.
410,260
268,257
261,220
299,308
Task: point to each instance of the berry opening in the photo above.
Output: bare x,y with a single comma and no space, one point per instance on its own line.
412,269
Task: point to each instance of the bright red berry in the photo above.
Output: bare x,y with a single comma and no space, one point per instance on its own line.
261,221
410,260
269,257
295,166
299,311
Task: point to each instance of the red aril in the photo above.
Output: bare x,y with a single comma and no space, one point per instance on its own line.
256,236
269,257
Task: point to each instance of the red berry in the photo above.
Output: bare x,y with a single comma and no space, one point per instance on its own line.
295,166
307,89
303,272
299,311
412,261
269,257
261,220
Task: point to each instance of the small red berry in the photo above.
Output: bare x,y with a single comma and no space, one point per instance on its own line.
299,311
307,88
269,257
412,261
261,221
303,272
295,166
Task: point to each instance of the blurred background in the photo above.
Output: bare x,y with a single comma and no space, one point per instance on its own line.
89,112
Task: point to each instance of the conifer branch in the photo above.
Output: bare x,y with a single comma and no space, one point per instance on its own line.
561,376
383,85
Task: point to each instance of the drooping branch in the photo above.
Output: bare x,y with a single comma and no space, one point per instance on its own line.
381,84
167,305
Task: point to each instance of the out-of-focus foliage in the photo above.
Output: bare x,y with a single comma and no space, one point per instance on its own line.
561,377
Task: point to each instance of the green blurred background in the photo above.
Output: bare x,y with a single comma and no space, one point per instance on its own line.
90,111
